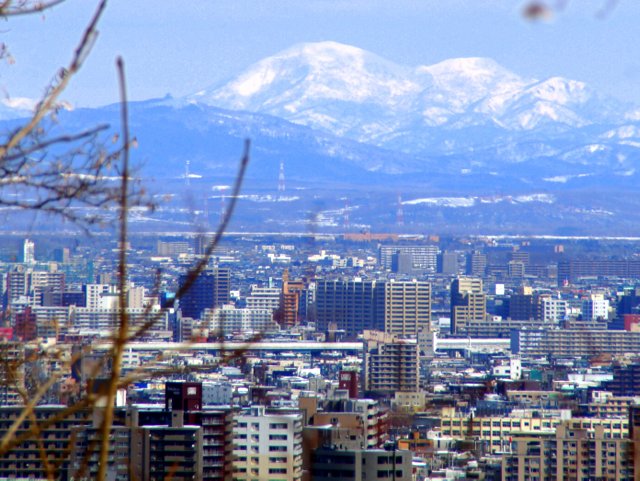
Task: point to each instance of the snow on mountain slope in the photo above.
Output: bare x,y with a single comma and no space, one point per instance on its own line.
319,85
461,82
354,93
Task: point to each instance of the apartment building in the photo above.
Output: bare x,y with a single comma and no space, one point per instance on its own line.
468,304
264,298
497,431
361,465
353,305
210,289
554,310
397,307
573,342
229,319
363,419
390,363
569,453
422,258
267,445
24,461
407,307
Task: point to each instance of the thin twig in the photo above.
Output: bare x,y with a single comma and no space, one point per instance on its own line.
203,262
43,145
46,105
121,335
8,9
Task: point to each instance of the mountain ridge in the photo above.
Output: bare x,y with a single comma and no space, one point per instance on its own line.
359,95
469,144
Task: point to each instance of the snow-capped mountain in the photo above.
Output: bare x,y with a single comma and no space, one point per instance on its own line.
326,85
470,145
359,95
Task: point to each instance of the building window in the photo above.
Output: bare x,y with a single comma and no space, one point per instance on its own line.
277,470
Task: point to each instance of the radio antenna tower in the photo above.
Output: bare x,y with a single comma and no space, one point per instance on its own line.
281,177
400,212
187,174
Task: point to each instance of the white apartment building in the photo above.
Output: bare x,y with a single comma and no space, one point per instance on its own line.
29,252
105,320
267,445
106,296
554,310
595,307
264,298
228,319
94,294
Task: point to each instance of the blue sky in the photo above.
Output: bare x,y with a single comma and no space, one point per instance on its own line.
181,47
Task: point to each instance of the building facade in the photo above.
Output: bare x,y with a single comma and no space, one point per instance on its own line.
267,445
390,363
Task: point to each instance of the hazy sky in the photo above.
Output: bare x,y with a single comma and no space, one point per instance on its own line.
181,47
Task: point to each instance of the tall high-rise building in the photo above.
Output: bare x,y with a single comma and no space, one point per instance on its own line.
448,263
516,269
289,301
520,256
477,264
30,285
264,298
595,307
468,303
12,373
354,305
94,292
402,308
210,289
634,435
524,305
61,254
402,263
390,363
29,252
407,307
281,183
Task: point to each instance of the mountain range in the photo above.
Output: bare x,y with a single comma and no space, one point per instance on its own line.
358,95
469,145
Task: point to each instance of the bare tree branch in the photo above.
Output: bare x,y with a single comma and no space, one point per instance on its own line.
64,77
121,334
13,8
